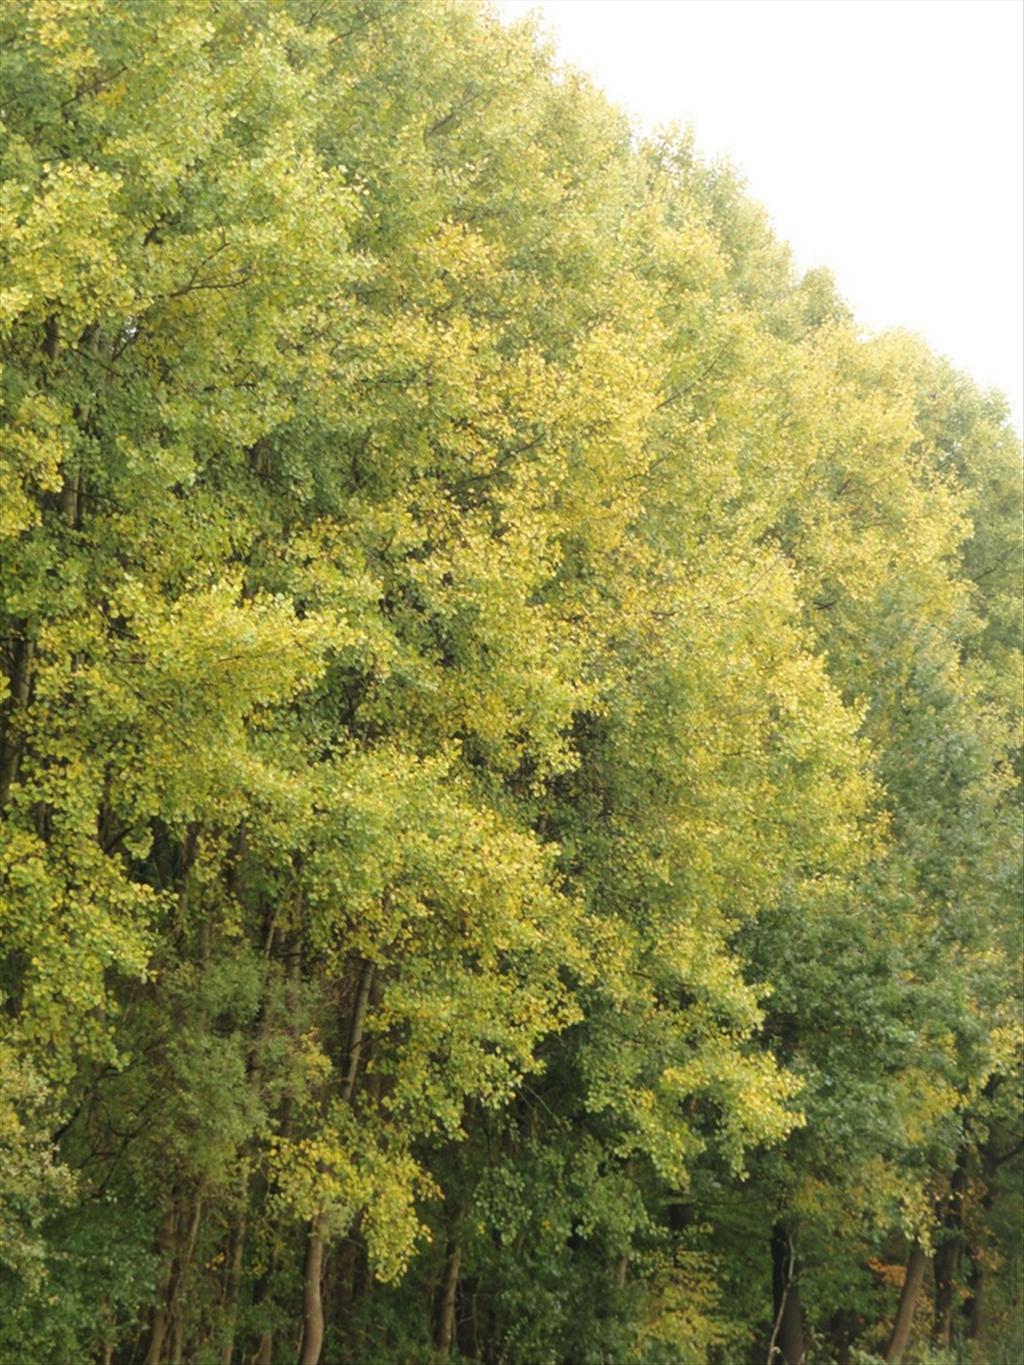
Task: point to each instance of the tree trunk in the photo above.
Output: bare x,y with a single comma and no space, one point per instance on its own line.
177,1334
989,1161
947,1256
260,1295
233,1289
946,1264
841,1329
165,1242
355,1046
900,1338
787,1341
176,1307
21,685
69,496
312,1303
446,1310
51,337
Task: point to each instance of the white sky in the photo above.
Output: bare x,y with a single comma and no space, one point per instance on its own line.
884,137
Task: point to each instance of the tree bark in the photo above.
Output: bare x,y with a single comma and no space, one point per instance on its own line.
21,684
176,1307
69,497
787,1340
841,1329
165,1242
900,1338
312,1302
51,337
446,1310
946,1262
233,1289
975,1307
356,1037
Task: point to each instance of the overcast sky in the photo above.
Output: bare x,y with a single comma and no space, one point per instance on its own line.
885,138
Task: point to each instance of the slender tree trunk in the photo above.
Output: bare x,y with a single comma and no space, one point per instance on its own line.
446,1311
261,1293
946,1262
21,684
184,1262
312,1302
177,1333
900,1338
622,1262
975,1307
355,1046
165,1242
787,1341
233,1289
69,495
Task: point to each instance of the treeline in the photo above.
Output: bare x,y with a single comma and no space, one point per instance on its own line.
511,730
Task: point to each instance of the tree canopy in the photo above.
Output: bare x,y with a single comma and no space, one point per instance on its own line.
511,729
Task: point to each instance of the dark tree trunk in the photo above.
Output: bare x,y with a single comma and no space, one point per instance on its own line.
841,1331
355,1047
975,1307
900,1338
177,1306
166,1239
233,1289
347,1254
787,1340
260,1294
946,1262
20,690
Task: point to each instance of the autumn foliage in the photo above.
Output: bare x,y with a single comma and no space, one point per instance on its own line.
510,764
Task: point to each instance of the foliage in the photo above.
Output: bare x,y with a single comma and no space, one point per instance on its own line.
511,749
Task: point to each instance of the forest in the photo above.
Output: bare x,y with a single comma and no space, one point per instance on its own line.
511,730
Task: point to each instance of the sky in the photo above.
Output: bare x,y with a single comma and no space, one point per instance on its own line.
884,137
